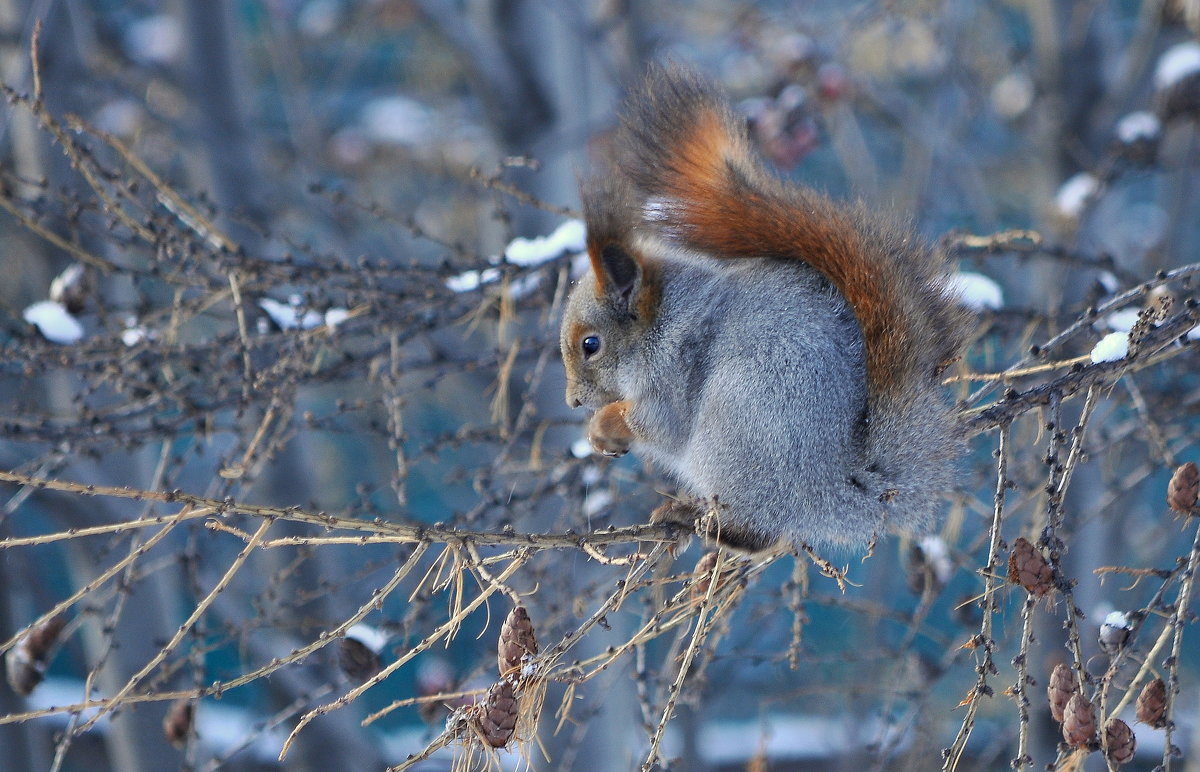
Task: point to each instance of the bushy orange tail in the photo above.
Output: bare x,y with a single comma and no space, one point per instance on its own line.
703,186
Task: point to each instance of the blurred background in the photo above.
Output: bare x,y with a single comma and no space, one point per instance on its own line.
311,254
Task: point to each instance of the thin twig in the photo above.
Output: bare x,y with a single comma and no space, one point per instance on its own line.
1178,621
985,644
197,612
436,634
381,531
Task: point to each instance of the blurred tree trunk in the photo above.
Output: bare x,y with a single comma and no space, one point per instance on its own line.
23,744
133,738
134,735
20,128
214,74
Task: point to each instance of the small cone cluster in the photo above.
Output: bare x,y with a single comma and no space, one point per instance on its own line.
516,641
1183,489
177,724
1062,687
1152,704
1071,708
1079,722
26,661
1119,742
1028,568
496,717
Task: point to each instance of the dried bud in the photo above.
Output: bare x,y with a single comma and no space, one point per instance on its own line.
1119,742
1179,99
71,288
967,611
1177,81
516,641
1183,488
1114,633
702,574
1079,722
358,652
357,660
1063,686
26,661
929,565
1149,318
177,724
1028,568
1152,704
435,676
498,715
1137,136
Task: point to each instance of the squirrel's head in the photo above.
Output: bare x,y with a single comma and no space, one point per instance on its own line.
611,308
605,323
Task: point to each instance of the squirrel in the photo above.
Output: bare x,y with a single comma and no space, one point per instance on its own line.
776,353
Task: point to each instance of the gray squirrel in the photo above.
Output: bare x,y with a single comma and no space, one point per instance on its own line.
778,354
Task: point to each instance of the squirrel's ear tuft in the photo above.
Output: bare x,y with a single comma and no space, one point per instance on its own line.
620,269
610,218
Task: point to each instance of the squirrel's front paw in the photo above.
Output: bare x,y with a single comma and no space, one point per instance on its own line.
608,431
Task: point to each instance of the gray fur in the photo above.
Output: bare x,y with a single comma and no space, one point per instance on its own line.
757,414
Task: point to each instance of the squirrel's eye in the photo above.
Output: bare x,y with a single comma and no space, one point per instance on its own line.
590,345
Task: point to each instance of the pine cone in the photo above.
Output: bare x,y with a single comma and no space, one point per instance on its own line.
1183,489
1028,568
498,717
26,661
1119,742
1063,686
1152,704
177,724
516,641
1079,722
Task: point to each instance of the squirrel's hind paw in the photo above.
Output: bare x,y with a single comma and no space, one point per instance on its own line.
704,520
744,540
678,512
